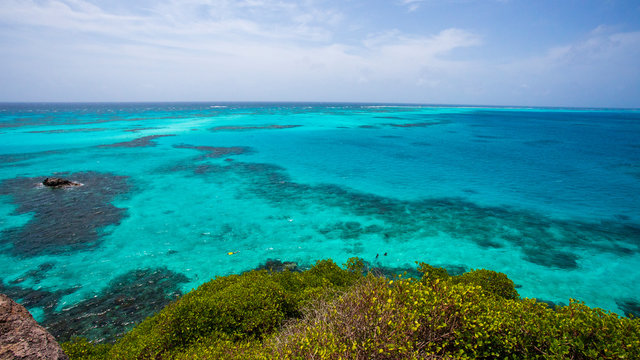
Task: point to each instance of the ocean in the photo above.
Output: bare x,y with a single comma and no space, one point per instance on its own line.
174,194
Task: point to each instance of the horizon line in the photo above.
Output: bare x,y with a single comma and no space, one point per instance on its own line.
288,102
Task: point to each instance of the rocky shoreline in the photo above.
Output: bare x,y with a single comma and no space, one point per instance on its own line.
22,338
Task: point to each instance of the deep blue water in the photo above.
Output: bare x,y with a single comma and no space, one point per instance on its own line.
551,197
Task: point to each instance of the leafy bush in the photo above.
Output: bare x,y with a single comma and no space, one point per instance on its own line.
411,320
356,265
81,349
226,310
220,346
492,282
330,313
240,306
431,273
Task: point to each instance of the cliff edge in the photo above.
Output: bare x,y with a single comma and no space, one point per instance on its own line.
22,338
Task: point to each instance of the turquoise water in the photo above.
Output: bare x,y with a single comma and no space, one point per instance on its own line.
549,196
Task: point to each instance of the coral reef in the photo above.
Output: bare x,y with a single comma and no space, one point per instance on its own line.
63,220
144,141
126,301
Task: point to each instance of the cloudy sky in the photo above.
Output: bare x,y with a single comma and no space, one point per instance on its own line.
486,52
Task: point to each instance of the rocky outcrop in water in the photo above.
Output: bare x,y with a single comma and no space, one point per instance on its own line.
58,182
21,337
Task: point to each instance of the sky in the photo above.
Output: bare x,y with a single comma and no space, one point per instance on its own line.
567,53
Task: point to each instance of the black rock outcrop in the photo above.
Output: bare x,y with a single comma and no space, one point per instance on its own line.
58,182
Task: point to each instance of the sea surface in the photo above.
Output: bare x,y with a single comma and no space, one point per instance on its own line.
174,194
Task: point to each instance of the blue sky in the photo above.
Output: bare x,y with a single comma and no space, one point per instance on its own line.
487,52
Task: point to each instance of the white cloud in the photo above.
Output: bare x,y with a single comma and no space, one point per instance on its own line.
601,67
284,50
412,5
194,48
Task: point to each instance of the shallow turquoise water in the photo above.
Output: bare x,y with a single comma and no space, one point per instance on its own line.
548,196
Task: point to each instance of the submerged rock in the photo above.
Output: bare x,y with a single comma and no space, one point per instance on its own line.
58,182
21,337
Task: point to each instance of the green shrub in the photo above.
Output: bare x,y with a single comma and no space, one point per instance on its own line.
431,273
591,333
81,349
491,282
362,324
240,306
220,346
356,265
411,320
327,270
243,307
332,313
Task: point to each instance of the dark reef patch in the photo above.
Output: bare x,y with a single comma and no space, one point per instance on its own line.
6,159
629,307
404,155
421,124
37,275
244,128
62,131
35,298
349,230
145,141
492,137
622,217
127,300
141,129
542,240
66,219
368,127
558,259
216,152
542,142
635,174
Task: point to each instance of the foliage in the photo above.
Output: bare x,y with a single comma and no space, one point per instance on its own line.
81,349
356,265
330,313
234,308
401,319
220,346
491,282
238,306
431,273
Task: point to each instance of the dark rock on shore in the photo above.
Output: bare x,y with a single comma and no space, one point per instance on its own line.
21,337
58,182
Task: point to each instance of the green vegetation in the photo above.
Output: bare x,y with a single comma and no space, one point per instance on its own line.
328,312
